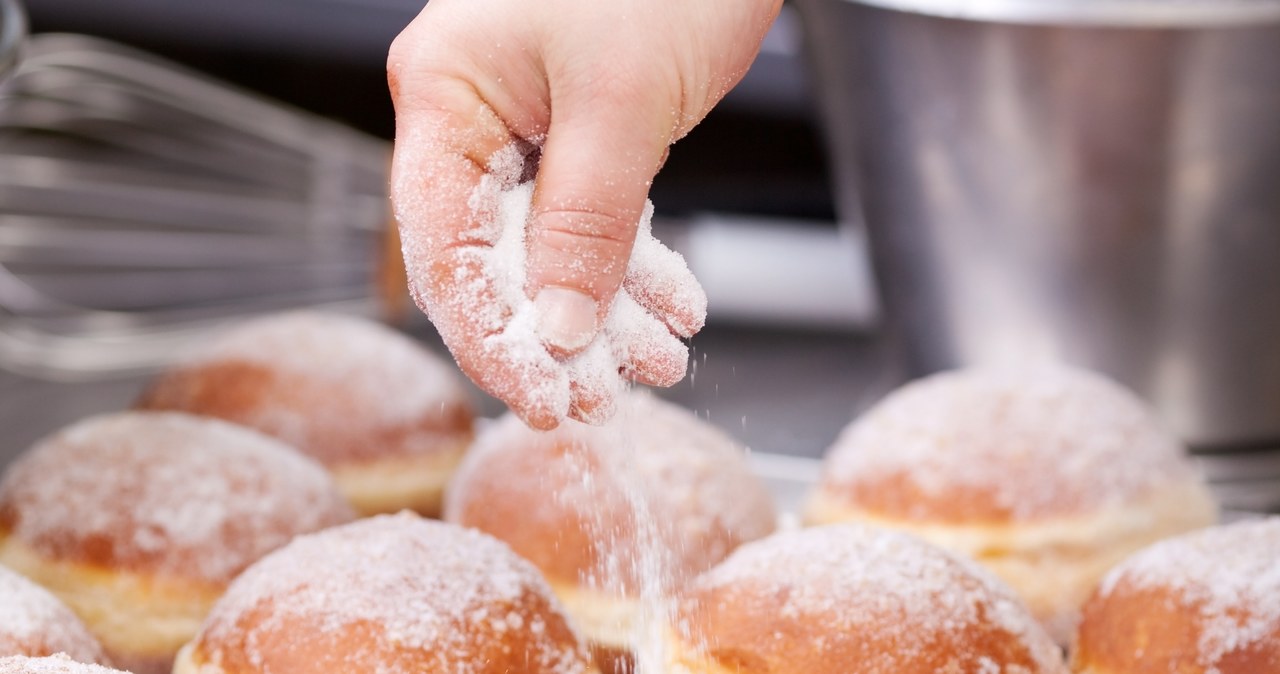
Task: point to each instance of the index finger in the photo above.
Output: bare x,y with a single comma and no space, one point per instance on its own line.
445,200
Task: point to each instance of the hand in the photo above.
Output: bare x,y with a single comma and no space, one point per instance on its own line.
592,93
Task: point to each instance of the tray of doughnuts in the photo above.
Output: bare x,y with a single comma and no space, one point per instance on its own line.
270,505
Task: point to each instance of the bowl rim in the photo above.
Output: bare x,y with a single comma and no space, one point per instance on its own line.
1099,13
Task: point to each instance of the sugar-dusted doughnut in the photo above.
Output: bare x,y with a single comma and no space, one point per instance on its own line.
138,521
52,664
393,593
1207,602
614,515
390,419
1047,475
850,597
35,623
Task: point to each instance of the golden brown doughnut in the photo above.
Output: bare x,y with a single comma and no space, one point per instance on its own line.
1047,475
139,520
390,419
854,598
35,623
616,514
393,593
53,664
1207,602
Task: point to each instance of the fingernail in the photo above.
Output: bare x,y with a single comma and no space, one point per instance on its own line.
566,318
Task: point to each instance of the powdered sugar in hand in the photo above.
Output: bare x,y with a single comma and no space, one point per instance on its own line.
489,321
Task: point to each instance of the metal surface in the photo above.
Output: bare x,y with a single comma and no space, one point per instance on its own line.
1128,13
142,205
13,30
1104,194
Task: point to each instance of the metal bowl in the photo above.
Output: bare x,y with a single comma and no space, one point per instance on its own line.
1092,181
13,29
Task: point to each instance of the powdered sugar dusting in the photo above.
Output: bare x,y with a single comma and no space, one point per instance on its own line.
426,586
364,358
854,581
661,494
1036,441
34,622
488,294
691,476
55,664
505,264
1230,574
165,492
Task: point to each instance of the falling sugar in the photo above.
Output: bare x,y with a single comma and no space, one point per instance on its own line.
635,508
658,301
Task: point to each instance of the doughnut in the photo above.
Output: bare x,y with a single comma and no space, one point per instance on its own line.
387,417
138,520
392,593
851,597
35,623
1206,602
53,664
617,515
1047,475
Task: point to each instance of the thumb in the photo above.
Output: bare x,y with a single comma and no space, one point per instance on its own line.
597,164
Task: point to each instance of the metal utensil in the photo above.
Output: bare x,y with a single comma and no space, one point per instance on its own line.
1091,180
144,204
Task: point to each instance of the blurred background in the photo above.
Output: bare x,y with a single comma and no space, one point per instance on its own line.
760,152
756,165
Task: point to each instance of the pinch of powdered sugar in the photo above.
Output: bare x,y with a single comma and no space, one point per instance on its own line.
1231,573
194,496
422,582
849,575
368,359
500,204
54,664
1096,441
29,614
666,272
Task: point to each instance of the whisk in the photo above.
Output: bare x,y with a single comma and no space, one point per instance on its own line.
142,204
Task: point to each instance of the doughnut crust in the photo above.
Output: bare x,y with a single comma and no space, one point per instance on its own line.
387,417
1207,602
53,664
138,521
617,515
393,593
35,623
1047,475
847,597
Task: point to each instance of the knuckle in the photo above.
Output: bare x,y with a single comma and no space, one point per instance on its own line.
591,223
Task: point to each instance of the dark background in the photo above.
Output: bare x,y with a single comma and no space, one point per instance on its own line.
779,390
758,153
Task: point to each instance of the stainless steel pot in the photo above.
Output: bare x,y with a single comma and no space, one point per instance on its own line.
1092,180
